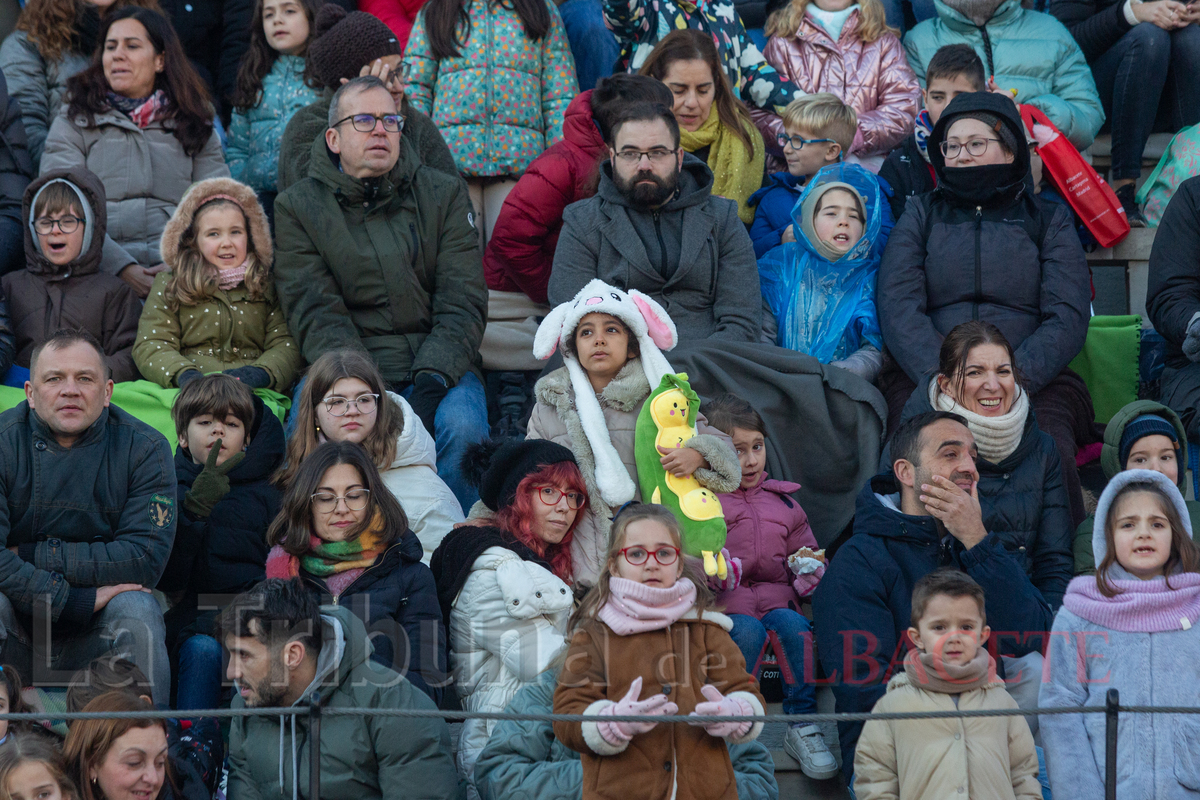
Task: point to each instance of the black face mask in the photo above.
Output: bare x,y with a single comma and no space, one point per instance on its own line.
985,185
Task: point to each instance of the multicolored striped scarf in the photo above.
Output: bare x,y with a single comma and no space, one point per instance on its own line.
142,110
337,562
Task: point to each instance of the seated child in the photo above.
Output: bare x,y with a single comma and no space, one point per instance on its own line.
216,309
229,445
610,341
818,131
62,285
948,669
766,526
195,748
954,69
1142,435
648,610
822,288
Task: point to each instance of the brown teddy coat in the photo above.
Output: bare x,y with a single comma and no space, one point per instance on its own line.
674,760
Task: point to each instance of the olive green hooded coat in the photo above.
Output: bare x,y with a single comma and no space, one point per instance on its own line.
390,264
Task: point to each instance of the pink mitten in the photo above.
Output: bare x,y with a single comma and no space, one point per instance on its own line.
734,577
721,706
805,584
618,733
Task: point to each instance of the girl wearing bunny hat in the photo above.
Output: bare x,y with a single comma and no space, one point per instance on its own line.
612,343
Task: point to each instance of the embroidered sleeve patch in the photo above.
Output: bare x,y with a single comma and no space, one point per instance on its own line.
162,510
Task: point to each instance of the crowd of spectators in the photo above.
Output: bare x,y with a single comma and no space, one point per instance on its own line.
408,356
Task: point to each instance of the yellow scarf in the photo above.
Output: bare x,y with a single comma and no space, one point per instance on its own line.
734,177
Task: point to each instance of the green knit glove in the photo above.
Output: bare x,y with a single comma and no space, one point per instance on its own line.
212,483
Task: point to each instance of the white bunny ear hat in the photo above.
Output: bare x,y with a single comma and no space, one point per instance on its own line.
654,331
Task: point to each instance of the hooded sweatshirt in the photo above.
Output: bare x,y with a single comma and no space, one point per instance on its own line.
1085,563
44,297
692,255
981,246
362,758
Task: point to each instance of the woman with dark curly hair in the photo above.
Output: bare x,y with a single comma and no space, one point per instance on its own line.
139,117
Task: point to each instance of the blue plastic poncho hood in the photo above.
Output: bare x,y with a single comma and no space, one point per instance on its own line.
827,309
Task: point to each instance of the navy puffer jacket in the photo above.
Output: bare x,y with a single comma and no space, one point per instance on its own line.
951,259
1024,503
397,600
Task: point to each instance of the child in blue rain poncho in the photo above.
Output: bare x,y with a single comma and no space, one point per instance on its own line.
821,288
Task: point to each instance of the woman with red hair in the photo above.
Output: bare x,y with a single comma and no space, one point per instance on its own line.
504,586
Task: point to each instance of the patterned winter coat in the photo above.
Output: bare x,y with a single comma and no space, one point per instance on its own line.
500,104
255,134
874,78
641,24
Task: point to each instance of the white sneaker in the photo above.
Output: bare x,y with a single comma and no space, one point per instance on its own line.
807,746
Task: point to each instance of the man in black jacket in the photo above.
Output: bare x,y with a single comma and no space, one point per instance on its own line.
920,515
87,521
982,246
1173,302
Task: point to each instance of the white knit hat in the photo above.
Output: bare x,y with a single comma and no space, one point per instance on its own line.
654,331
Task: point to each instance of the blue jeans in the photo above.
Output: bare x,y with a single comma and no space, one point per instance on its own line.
199,682
1147,65
749,634
130,626
461,421
592,44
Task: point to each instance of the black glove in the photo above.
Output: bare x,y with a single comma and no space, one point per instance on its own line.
212,484
427,394
187,376
254,377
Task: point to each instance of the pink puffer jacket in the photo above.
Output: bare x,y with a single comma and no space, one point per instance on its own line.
766,525
874,79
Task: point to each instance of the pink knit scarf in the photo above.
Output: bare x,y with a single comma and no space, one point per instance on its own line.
634,607
1141,607
229,278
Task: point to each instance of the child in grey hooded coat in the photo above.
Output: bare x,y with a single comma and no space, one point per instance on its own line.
1132,630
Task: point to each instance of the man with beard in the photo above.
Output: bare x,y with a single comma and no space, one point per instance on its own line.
283,649
655,226
922,514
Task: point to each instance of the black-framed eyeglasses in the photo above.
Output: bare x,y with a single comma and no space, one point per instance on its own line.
797,142
339,406
355,499
44,225
657,156
550,495
638,555
365,123
975,147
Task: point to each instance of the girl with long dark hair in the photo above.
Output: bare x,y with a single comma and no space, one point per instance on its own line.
270,89
139,117
514,54
342,532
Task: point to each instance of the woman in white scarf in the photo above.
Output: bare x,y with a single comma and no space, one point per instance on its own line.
1020,478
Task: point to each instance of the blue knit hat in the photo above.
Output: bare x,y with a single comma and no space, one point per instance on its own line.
1141,427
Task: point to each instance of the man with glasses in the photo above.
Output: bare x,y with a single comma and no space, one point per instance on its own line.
345,46
379,252
655,226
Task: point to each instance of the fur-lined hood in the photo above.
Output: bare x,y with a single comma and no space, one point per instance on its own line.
243,195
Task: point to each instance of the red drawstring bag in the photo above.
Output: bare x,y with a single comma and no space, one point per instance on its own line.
1090,197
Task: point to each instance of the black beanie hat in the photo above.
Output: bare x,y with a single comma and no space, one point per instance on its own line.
993,121
499,468
343,42
1141,427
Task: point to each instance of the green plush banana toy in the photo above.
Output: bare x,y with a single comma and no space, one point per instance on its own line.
668,420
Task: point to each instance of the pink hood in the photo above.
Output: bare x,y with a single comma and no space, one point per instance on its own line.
766,525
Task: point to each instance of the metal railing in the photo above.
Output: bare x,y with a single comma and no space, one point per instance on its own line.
313,711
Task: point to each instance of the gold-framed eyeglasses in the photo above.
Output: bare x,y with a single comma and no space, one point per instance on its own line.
340,406
355,499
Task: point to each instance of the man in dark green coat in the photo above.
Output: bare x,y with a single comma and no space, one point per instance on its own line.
283,648
378,251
